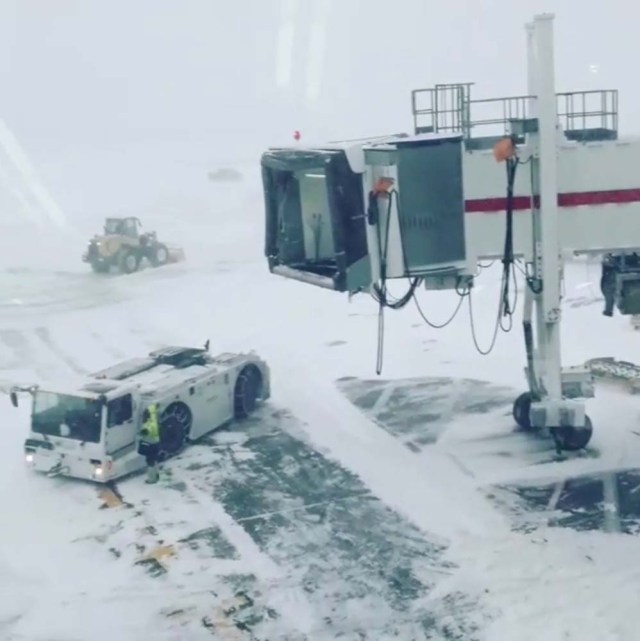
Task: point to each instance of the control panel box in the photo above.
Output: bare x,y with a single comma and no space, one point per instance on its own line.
416,206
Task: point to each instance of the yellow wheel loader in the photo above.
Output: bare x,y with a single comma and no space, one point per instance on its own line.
124,246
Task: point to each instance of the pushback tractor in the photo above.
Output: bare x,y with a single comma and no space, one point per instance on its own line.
91,429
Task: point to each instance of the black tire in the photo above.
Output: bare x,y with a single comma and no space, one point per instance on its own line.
158,255
521,409
175,424
247,392
128,261
573,439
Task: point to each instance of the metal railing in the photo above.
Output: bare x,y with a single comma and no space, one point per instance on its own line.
584,115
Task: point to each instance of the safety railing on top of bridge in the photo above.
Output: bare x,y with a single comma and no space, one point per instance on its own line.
583,115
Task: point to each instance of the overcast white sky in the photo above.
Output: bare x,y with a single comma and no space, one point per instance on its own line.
89,69
94,73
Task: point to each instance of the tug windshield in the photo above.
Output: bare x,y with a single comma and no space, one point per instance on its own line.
72,417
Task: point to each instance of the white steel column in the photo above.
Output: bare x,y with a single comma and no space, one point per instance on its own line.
548,250
548,154
531,69
538,335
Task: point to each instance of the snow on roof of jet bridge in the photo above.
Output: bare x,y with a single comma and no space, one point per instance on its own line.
354,149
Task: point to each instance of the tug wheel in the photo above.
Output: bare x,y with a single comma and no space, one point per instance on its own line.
247,391
175,423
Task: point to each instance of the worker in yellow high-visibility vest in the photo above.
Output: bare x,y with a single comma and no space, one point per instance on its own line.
150,441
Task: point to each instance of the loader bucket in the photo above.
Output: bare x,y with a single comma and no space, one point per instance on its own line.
176,254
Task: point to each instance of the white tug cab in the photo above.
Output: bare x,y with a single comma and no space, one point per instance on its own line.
91,430
527,179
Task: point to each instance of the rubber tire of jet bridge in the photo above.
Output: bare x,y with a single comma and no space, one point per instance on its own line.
521,409
247,391
122,262
153,255
175,423
573,439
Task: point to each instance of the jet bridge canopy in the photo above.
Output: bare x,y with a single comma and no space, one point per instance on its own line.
315,217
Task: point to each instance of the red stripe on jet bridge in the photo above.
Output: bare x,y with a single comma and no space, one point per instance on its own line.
577,199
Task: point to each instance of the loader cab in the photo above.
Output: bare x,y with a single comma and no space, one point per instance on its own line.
129,227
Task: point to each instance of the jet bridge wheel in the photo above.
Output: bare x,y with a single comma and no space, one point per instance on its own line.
175,423
521,409
573,439
247,391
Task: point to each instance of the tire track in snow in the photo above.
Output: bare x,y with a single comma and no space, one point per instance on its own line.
43,334
382,400
148,338
25,356
116,353
82,350
16,346
122,341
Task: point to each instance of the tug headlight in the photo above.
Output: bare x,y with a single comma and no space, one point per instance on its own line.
98,469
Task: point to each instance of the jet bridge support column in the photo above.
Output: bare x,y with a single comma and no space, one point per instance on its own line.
546,248
546,404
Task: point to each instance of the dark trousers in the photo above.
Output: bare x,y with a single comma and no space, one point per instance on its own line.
608,289
150,452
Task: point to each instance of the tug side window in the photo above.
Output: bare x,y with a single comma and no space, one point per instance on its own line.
119,410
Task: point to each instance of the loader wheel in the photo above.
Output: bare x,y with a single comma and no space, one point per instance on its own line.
129,262
175,423
159,255
247,391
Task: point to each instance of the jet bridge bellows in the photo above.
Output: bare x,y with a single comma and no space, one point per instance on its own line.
314,218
